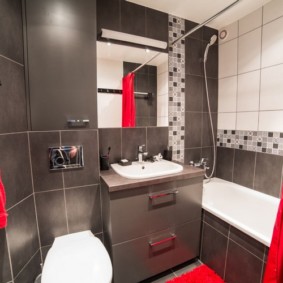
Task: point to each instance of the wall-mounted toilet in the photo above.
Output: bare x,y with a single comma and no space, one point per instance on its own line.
77,258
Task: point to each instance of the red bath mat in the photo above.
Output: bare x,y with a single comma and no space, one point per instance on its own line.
201,274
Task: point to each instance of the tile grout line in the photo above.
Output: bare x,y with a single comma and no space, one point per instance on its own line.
11,60
9,255
226,256
35,206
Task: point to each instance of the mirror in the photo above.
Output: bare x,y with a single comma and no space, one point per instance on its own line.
113,62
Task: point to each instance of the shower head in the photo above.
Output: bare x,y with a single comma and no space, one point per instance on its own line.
213,39
211,42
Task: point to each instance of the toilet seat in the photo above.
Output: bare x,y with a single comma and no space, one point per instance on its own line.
78,257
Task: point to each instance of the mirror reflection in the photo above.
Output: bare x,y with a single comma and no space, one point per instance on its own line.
151,85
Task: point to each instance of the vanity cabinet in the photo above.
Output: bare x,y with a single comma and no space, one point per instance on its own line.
151,227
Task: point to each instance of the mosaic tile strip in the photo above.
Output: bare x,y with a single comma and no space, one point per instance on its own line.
176,106
258,141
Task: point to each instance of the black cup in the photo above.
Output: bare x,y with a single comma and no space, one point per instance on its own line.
104,162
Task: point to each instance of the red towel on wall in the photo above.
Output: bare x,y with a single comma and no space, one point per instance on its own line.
3,214
274,266
128,101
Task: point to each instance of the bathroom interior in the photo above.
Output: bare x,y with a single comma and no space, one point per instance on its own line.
60,85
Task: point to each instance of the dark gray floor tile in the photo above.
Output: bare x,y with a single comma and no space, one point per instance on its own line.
43,178
15,167
84,209
22,234
90,173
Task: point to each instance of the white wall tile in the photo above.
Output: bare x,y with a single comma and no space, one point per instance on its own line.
227,94
248,91
272,43
271,121
162,83
247,121
232,32
250,22
226,121
162,105
228,59
271,94
249,51
272,10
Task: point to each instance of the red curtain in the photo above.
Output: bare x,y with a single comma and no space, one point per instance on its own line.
128,101
274,266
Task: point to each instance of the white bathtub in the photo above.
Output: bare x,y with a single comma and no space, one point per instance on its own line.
250,211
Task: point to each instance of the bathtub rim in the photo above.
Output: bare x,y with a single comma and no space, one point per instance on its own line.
240,226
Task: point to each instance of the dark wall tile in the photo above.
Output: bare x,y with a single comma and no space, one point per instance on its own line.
15,167
13,115
132,18
108,15
84,209
207,139
131,139
268,174
44,251
11,44
194,93
31,271
190,25
237,258
212,85
192,154
113,138
157,140
5,268
194,56
43,178
225,163
90,173
214,252
244,165
247,242
208,32
208,152
156,25
51,216
212,62
22,234
219,225
193,122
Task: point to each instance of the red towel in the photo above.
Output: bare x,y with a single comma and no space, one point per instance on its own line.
274,266
128,102
3,214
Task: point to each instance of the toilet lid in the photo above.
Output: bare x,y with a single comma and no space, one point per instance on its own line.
78,257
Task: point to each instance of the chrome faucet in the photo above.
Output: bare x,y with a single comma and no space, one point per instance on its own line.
202,163
141,153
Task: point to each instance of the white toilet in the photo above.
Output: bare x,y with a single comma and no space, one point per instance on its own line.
77,258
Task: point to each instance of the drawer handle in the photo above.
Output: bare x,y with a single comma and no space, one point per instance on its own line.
163,194
154,244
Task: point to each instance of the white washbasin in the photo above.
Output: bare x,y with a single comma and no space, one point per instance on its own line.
147,169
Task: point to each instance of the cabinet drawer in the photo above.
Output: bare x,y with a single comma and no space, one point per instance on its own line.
144,257
142,211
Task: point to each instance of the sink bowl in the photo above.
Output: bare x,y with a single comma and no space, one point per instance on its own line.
144,170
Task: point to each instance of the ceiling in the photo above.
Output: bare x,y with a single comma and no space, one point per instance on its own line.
201,10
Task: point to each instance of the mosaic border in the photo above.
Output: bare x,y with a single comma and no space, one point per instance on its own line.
257,141
176,80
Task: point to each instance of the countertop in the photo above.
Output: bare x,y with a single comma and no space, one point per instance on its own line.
116,182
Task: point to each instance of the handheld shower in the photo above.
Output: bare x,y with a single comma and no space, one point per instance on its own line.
211,42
